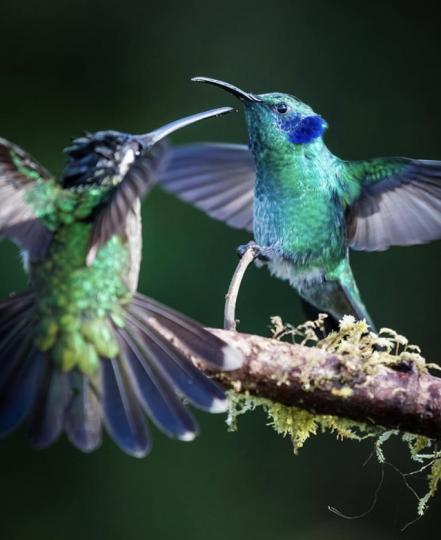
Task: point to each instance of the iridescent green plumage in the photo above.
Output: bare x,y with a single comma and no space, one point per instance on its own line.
305,206
299,215
81,349
75,301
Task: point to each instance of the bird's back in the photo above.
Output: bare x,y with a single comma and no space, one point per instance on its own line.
74,300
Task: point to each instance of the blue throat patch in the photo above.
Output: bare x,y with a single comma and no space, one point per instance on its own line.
304,130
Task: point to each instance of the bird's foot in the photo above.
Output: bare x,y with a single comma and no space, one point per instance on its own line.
261,253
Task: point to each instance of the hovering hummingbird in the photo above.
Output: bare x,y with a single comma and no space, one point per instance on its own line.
305,205
80,348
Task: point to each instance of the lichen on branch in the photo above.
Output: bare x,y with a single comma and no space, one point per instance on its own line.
354,373
353,382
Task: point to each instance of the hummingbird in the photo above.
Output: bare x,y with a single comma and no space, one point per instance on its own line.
306,206
80,349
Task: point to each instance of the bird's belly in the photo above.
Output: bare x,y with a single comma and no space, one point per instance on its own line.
299,276
305,238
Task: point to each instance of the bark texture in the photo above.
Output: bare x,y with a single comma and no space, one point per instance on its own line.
400,397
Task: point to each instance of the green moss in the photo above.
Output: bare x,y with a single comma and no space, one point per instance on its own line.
372,351
435,476
297,424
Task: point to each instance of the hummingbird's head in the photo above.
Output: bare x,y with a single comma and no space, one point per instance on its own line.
104,158
100,158
275,120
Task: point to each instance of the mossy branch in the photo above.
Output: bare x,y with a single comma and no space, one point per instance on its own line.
379,380
384,388
354,383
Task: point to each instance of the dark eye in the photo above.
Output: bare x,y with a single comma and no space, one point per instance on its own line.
281,108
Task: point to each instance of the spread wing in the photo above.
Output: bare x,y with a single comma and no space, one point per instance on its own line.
19,173
217,178
394,202
137,182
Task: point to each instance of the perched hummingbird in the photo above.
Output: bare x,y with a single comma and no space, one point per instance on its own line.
80,348
305,205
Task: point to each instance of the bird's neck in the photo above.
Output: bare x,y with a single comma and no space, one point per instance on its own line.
293,169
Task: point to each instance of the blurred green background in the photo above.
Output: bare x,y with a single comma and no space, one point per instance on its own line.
373,70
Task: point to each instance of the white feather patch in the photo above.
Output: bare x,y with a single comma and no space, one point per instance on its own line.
126,161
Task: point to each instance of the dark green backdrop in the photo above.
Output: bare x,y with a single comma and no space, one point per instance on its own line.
372,69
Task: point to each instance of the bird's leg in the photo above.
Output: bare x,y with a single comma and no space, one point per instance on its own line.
260,252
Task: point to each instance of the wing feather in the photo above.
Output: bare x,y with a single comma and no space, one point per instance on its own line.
138,180
216,178
399,203
19,173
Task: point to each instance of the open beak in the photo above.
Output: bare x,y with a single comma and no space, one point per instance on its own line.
149,139
237,92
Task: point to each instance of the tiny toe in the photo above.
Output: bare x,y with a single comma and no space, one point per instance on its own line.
244,247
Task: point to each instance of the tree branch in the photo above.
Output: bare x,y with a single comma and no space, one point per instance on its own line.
399,397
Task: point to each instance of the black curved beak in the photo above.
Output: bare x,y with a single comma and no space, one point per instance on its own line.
149,139
234,90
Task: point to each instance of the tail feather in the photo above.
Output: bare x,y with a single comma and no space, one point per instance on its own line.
13,347
18,303
336,295
156,395
123,416
202,343
10,328
15,312
82,420
18,395
47,420
184,376
151,375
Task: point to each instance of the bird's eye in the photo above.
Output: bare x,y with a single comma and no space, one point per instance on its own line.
281,108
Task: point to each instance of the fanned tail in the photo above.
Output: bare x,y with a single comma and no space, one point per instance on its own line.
83,410
155,376
151,375
33,388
